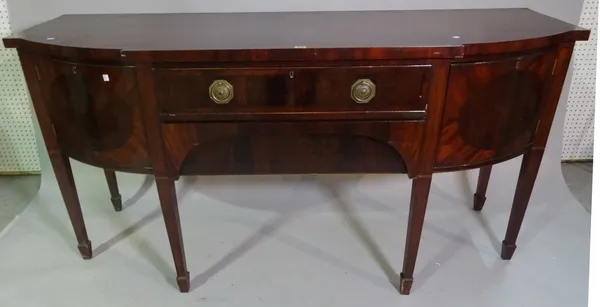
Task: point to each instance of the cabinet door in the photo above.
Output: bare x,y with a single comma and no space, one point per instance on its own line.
491,110
96,114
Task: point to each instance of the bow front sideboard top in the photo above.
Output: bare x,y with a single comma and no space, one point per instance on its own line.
414,92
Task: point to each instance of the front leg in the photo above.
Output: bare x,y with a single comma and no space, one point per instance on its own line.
60,162
529,170
416,217
170,211
66,183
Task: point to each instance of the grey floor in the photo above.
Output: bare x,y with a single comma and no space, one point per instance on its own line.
578,177
17,191
297,241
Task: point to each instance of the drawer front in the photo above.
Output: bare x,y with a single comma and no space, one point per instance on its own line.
301,90
293,147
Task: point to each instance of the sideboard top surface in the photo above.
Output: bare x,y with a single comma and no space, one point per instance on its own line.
448,30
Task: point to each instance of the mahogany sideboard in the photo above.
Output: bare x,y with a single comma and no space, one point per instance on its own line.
414,92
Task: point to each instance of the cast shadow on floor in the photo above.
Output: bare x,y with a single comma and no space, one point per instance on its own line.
333,192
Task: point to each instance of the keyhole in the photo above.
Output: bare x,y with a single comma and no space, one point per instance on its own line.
291,75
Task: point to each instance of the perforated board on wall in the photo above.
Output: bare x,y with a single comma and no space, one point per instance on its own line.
578,134
18,148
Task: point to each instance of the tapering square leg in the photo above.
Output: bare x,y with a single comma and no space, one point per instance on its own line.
482,185
527,175
416,217
115,197
170,211
66,183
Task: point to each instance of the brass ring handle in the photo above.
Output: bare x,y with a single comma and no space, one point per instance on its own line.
363,90
221,91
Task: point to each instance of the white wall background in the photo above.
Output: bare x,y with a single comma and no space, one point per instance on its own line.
578,134
18,149
16,126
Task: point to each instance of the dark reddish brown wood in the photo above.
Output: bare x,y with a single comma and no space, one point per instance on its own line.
293,148
293,89
552,94
164,174
290,114
434,112
296,36
455,90
406,138
161,164
66,183
422,182
533,157
481,164
490,109
170,211
113,187
95,111
527,174
60,162
482,184
416,217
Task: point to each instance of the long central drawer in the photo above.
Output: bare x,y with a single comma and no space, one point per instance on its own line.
369,92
